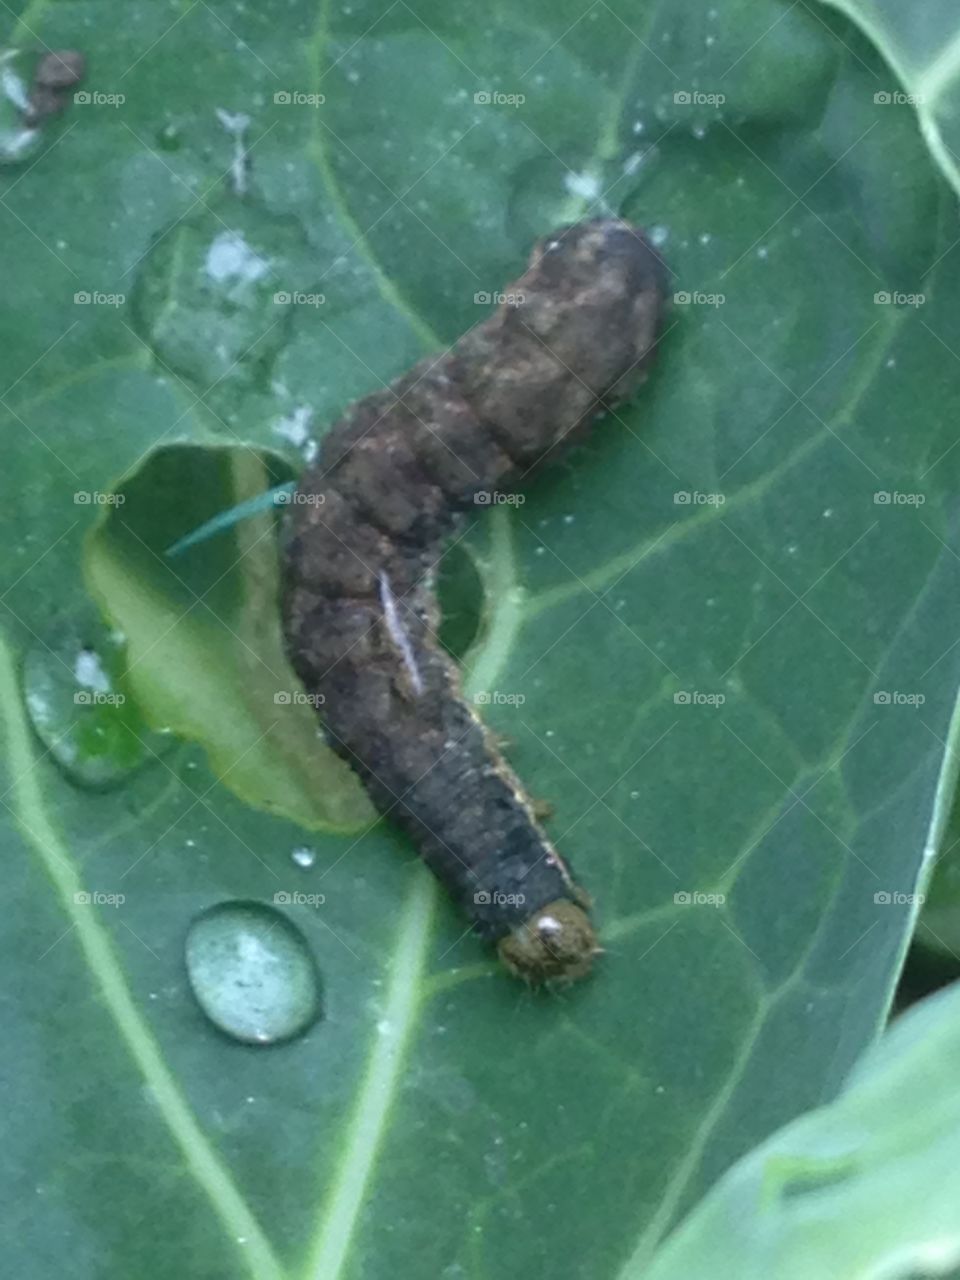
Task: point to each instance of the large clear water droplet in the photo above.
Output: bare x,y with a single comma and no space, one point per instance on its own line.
252,972
218,294
74,692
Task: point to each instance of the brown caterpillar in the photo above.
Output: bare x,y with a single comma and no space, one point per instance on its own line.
368,526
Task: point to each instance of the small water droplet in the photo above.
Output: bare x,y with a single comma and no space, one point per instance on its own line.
168,137
252,972
18,144
659,235
304,856
586,185
17,141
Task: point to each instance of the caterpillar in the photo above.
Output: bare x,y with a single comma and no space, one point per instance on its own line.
574,336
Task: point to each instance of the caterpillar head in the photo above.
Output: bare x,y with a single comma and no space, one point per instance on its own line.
556,944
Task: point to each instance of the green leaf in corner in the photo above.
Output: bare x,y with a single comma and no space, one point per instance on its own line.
865,1188
921,44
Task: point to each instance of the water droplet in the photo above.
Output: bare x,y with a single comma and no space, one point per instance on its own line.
17,141
585,185
295,426
168,138
304,856
252,972
659,235
217,297
74,693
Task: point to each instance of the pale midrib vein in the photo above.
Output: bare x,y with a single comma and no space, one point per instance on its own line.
104,966
380,1086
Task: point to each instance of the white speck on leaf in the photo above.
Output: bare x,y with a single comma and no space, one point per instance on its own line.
585,185
231,258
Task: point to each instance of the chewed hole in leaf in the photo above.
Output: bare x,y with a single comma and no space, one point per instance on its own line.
461,595
204,647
